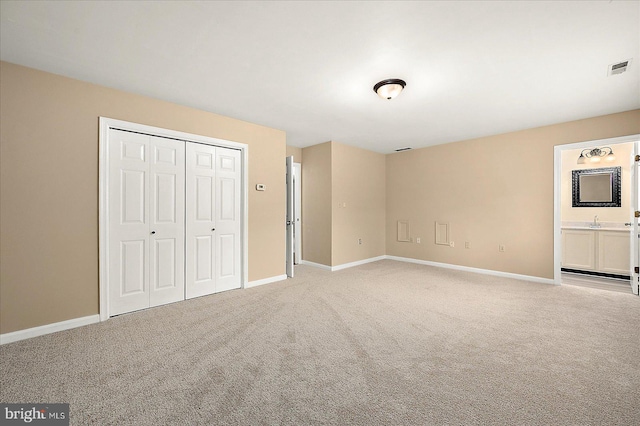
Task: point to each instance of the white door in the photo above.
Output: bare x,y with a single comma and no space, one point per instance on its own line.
635,242
201,221
227,234
213,219
166,220
146,201
289,218
297,213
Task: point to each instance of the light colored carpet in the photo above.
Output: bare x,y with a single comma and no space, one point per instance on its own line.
383,343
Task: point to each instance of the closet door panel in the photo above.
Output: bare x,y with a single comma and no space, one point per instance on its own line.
132,268
228,181
166,274
166,201
200,219
204,259
128,222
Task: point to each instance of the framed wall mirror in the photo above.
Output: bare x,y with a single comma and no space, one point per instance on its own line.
596,187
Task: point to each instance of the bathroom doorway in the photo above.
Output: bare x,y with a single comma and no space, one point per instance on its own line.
293,233
596,233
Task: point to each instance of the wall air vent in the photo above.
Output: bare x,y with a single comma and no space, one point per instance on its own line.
403,149
618,68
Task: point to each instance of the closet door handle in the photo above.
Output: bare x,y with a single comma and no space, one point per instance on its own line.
153,232
213,229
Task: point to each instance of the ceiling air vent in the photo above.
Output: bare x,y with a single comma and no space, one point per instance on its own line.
618,68
403,149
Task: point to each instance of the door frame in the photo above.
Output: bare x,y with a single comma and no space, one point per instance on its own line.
557,201
105,124
297,212
635,206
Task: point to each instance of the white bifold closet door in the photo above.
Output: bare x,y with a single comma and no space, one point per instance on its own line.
212,219
146,221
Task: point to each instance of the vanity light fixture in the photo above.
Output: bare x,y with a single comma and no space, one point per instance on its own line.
389,89
596,154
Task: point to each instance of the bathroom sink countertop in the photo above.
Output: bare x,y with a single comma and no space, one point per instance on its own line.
604,226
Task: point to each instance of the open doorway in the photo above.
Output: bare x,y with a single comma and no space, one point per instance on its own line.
595,235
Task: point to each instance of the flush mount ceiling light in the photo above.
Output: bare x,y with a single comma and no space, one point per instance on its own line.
594,155
389,89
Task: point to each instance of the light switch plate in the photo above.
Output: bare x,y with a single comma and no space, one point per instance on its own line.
261,187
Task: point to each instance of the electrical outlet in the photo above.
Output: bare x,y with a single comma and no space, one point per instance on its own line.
418,240
359,241
452,244
467,244
501,248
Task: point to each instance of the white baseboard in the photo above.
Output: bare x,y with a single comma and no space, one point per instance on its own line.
47,329
265,281
358,262
436,264
344,265
474,270
315,265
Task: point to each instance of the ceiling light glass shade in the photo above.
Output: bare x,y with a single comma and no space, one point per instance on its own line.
610,157
389,89
581,160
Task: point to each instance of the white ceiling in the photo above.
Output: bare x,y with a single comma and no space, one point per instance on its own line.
472,68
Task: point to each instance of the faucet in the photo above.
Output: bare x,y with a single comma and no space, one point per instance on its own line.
595,223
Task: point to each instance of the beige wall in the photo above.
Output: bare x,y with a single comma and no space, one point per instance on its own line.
623,153
296,152
316,204
493,190
358,204
343,200
49,189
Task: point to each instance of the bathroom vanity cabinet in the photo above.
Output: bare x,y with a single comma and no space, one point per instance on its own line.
597,250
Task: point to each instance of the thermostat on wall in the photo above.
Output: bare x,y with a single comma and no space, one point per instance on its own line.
261,187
